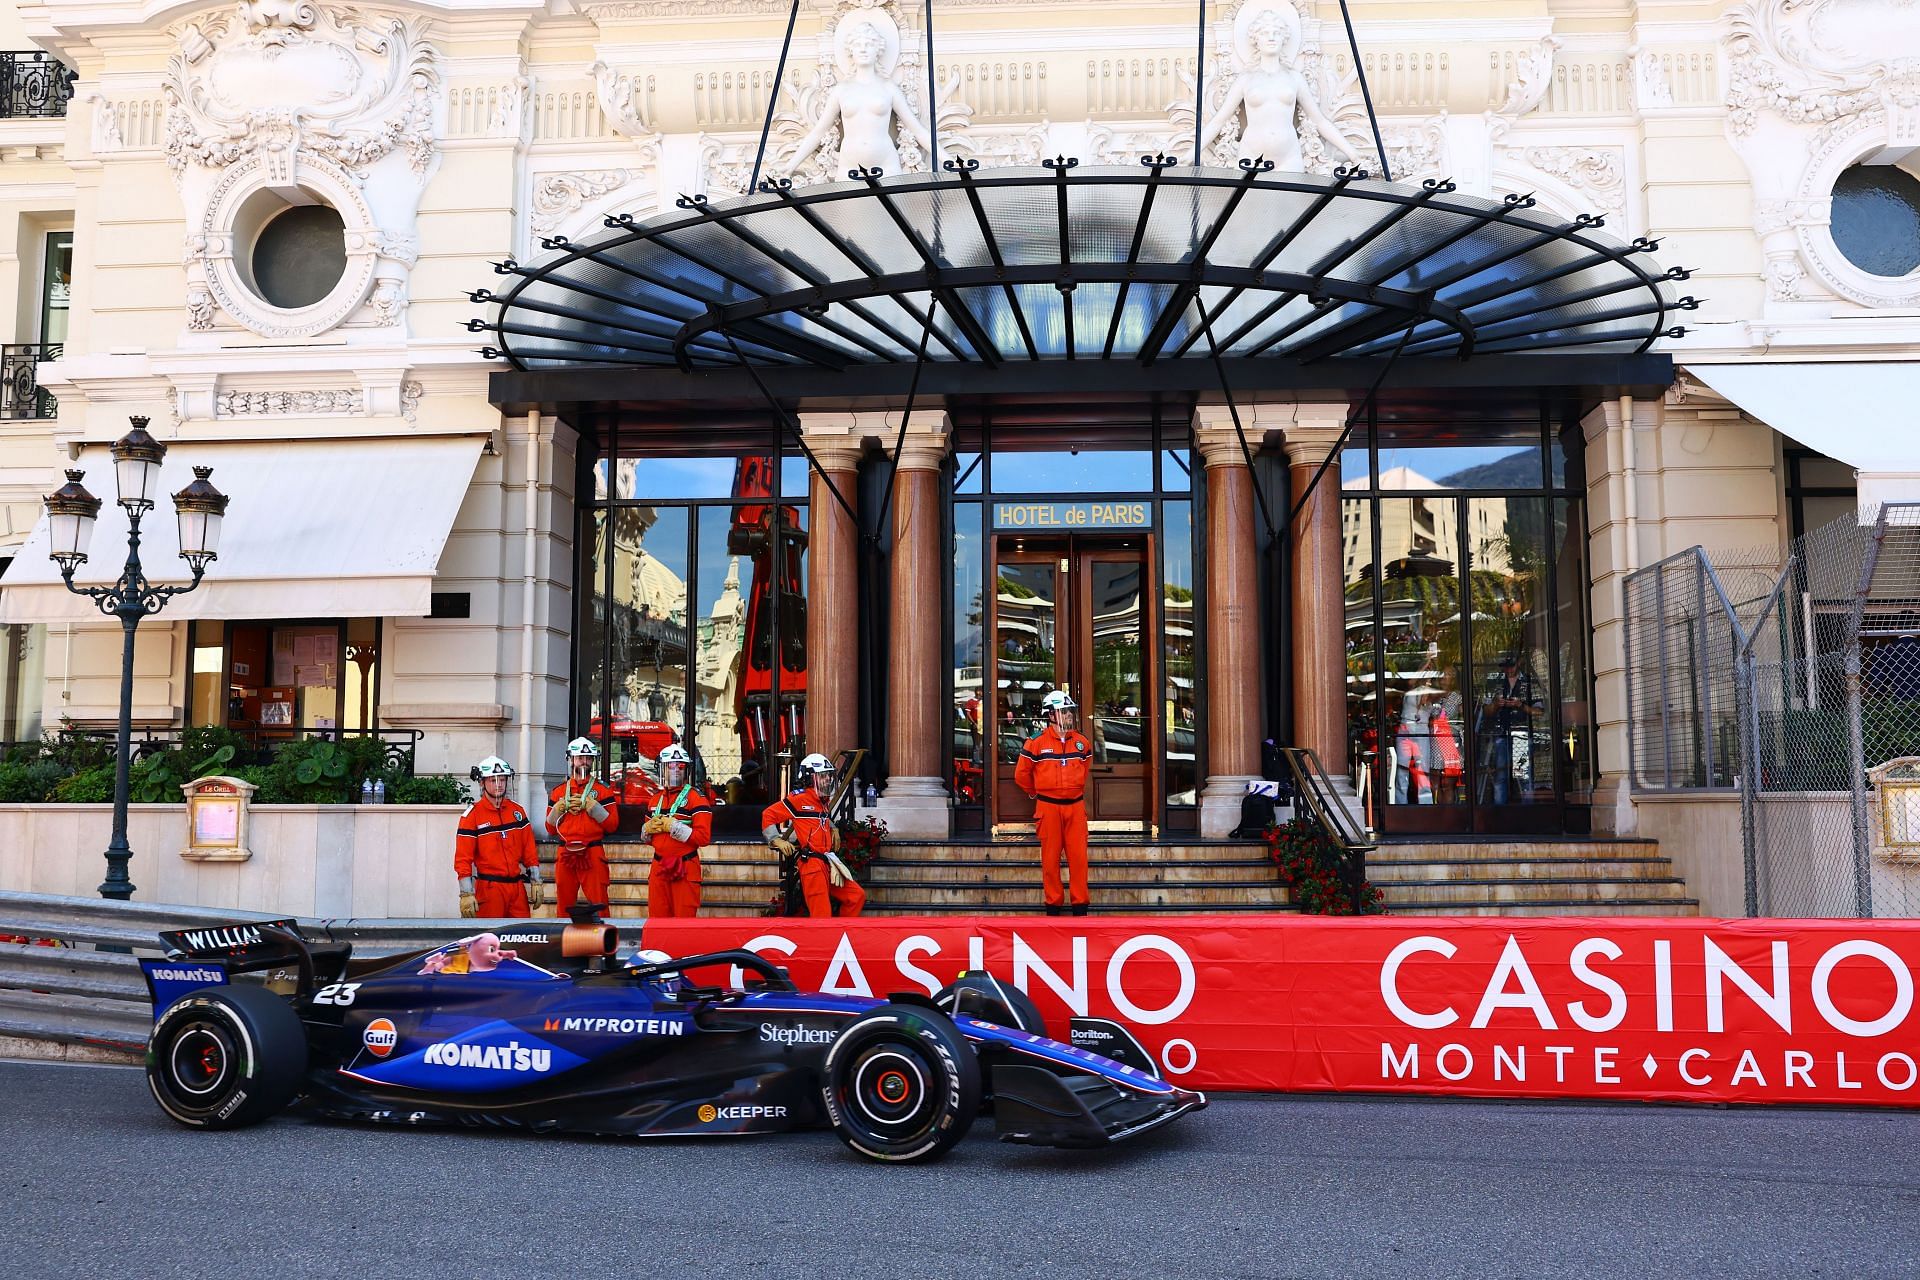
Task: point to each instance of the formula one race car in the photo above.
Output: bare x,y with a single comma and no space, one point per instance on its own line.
552,1027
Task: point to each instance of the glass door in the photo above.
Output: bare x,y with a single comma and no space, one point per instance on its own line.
1116,703
1028,661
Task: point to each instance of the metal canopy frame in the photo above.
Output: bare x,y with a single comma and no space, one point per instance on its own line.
1066,265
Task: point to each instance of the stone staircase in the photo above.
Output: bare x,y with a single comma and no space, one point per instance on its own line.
1468,876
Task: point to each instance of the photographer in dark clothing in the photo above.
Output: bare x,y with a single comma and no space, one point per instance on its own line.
1506,713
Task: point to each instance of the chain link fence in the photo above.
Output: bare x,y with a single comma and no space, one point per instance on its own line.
1796,684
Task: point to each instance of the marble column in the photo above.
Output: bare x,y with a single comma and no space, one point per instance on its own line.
833,583
914,803
1319,598
1232,634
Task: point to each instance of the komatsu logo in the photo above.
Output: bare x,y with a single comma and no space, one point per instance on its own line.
511,1056
618,1026
187,975
222,939
772,1034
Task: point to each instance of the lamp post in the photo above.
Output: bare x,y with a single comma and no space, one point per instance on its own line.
71,512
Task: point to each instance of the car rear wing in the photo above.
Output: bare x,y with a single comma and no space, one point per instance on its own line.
212,955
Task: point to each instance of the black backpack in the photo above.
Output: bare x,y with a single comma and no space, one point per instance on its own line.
1256,815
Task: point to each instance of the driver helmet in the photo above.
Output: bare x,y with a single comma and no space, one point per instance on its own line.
812,767
674,763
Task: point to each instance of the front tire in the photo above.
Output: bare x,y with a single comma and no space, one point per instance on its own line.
226,1057
901,1085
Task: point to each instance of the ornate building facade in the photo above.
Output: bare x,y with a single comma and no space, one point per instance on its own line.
275,215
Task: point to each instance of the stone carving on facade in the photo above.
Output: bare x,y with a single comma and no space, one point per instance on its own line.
1533,78
558,196
1651,91
622,101
1597,173
1815,87
867,78
411,394
106,125
1267,95
339,104
310,403
508,118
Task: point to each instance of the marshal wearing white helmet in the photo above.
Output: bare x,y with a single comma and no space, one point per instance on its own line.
801,827
679,824
493,851
1053,770
581,811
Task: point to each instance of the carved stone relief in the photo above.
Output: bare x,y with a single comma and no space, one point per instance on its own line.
277,102
1815,87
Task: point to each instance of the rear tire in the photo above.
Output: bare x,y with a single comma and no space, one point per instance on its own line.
226,1057
901,1085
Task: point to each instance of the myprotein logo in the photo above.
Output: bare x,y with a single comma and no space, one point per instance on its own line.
511,1056
380,1037
771,1033
618,1026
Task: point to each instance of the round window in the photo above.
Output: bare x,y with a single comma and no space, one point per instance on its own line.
299,254
1876,219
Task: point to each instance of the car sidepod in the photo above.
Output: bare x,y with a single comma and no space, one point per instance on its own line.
1046,1093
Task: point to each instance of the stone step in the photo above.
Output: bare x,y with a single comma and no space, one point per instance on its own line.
1622,907
999,896
983,873
1505,869
1588,890
1477,847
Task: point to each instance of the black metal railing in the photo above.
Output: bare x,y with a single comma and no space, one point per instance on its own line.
398,746
21,395
32,85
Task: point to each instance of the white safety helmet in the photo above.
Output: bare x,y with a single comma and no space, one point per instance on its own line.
813,766
1057,700
672,756
583,747
492,767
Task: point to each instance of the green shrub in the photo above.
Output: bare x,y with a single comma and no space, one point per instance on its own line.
89,786
28,781
156,777
434,788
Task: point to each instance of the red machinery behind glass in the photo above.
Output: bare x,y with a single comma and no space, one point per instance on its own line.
776,586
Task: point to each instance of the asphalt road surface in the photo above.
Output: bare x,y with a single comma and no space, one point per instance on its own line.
99,1183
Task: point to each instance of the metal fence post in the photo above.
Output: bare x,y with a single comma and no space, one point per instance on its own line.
1857,786
1747,709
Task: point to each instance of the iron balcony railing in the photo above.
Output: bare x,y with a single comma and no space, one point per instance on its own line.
21,395
33,85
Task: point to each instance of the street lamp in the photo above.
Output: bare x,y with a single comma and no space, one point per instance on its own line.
71,512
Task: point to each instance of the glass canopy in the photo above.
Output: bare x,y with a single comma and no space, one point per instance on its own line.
1064,263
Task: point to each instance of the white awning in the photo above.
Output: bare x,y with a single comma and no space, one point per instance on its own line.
315,529
1859,413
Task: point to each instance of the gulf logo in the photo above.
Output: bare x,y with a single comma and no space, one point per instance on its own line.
380,1037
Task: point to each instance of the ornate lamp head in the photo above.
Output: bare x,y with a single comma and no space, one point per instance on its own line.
199,508
136,466
71,511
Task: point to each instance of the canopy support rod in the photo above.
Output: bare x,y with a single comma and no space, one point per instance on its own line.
1233,408
906,416
933,103
1200,85
773,97
793,428
1366,94
1365,406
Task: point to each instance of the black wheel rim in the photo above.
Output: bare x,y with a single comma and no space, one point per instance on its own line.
893,1090
200,1066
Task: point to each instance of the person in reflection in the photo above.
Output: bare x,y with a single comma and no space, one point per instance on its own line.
1053,770
1506,716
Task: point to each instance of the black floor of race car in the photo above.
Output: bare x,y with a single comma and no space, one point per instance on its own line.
98,1182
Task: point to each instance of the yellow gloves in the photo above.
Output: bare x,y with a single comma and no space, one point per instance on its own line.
657,825
469,906
784,845
536,895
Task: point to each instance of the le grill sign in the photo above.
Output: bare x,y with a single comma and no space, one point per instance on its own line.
1759,1011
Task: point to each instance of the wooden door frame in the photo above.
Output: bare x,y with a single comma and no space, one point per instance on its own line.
1076,630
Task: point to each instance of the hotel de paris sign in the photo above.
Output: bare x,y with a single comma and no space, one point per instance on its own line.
1073,515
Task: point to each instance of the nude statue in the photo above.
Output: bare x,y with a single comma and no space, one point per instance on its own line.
865,103
1270,92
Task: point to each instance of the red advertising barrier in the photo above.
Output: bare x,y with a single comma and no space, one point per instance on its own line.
1670,1009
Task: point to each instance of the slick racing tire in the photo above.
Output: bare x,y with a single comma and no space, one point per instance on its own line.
226,1057
901,1084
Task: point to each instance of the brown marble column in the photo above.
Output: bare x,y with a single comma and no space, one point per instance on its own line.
914,803
1232,635
1319,598
833,584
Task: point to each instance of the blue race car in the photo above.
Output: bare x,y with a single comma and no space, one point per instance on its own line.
553,1027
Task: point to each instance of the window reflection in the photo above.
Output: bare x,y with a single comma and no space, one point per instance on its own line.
1087,471
1514,755
969,630
1182,713
645,629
